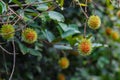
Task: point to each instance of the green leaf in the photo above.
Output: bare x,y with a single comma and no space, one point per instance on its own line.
60,2
2,7
30,1
62,47
23,48
63,26
38,69
95,45
74,40
50,37
102,61
30,75
69,30
42,7
34,52
69,33
56,16
17,2
10,1
27,19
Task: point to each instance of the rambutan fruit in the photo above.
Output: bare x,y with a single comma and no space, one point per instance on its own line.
29,35
115,35
108,31
94,22
61,76
85,47
64,62
7,31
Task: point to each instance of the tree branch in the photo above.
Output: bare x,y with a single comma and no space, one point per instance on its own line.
14,12
14,60
6,50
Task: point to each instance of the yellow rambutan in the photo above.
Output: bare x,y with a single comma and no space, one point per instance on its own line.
7,31
108,31
64,63
115,35
94,22
61,76
29,35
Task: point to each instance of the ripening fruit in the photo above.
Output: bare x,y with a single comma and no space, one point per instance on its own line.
61,76
118,14
64,63
108,31
85,47
94,22
115,35
29,35
7,31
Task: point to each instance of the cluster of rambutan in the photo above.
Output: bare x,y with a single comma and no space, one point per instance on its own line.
85,45
29,35
111,33
63,64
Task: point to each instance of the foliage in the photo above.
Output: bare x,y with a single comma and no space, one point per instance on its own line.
60,25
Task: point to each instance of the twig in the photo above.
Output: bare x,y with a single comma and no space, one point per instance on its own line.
35,3
86,6
14,60
6,50
25,24
63,53
38,15
83,11
14,12
118,3
2,43
33,19
85,28
86,20
16,21
6,14
6,22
